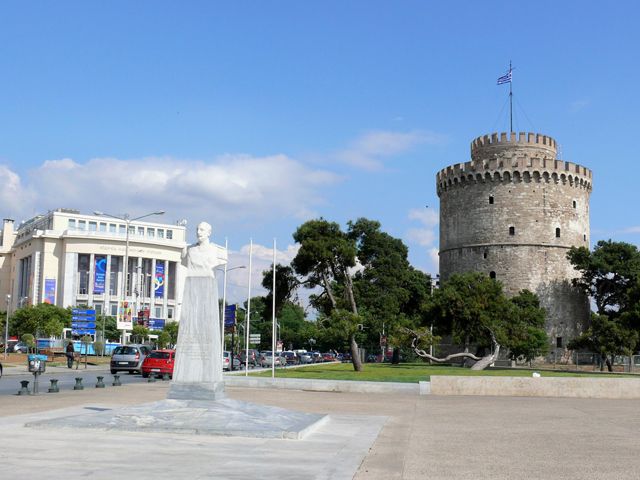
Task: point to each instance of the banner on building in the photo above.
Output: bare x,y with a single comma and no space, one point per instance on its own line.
124,321
100,274
156,324
50,290
158,280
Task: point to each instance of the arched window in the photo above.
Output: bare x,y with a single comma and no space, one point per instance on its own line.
557,232
574,204
512,231
485,254
492,275
490,199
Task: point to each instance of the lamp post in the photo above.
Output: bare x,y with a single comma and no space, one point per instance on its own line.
223,310
126,218
434,283
6,328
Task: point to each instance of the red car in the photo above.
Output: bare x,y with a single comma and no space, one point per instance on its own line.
158,363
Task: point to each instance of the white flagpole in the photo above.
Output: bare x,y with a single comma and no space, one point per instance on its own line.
273,314
247,323
224,306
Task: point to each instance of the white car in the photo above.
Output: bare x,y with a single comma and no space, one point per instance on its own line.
267,360
225,362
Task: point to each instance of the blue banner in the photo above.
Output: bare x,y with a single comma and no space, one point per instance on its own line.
156,324
50,290
158,280
229,316
100,274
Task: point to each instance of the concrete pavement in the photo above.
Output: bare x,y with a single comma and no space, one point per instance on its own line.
434,437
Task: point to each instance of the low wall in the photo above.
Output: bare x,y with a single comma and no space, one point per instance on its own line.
321,385
582,387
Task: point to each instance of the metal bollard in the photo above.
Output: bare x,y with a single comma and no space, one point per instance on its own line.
78,385
152,378
100,383
116,381
165,376
54,386
24,389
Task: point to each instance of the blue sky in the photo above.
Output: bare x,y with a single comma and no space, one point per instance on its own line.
257,116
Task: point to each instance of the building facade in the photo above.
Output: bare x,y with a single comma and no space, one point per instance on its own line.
513,212
69,259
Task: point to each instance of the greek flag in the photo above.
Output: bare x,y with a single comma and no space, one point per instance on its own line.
505,78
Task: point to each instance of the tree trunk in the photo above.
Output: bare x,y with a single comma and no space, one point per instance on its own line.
610,364
327,287
395,359
349,288
355,355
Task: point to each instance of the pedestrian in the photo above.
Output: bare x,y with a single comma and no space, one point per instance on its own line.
70,352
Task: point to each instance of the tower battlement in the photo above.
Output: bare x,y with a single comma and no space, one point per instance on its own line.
528,143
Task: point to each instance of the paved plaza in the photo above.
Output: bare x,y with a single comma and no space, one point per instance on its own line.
370,436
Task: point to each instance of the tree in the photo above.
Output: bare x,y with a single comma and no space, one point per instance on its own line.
40,320
607,338
474,310
164,339
325,258
139,333
286,285
611,276
172,329
111,331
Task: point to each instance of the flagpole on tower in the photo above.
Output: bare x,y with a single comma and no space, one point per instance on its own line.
510,100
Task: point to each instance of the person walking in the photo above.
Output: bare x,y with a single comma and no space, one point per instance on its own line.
70,352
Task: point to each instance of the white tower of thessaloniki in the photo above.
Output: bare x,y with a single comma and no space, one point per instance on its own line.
513,212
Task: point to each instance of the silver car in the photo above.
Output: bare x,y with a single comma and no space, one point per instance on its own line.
129,358
267,360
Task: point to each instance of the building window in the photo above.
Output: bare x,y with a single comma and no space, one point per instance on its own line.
151,232
93,226
157,312
559,342
574,204
132,230
122,229
492,275
82,225
98,308
485,254
584,237
160,233
103,227
557,233
490,199
114,310
83,273
112,228
141,231
71,223
512,231
169,313
169,234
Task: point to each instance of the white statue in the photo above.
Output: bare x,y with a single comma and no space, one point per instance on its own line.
198,369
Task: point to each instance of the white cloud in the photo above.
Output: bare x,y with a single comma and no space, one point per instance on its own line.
369,150
425,235
631,230
228,187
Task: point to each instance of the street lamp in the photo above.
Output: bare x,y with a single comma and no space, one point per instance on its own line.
6,328
126,218
223,309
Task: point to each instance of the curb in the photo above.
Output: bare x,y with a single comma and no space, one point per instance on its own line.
328,385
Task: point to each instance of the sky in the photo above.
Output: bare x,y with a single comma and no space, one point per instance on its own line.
259,115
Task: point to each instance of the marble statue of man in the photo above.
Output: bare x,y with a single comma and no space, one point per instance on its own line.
197,374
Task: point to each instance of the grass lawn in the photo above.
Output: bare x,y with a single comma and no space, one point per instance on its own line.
410,372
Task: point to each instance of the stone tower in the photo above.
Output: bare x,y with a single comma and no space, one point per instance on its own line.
513,212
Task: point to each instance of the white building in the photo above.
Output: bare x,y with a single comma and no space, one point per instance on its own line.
69,259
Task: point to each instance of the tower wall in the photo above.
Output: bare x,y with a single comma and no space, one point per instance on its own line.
513,212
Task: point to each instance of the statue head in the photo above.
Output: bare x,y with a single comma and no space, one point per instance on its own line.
203,232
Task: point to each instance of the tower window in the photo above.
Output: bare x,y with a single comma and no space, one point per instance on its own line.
492,275
557,233
485,254
490,199
559,342
574,204
584,237
512,230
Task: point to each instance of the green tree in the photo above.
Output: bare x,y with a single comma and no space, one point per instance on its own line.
139,333
474,310
111,332
324,259
29,340
164,339
607,338
286,285
40,320
172,329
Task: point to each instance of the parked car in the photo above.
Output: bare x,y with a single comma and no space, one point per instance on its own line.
129,358
226,361
290,357
254,357
317,357
346,357
159,362
18,347
328,357
305,357
267,359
